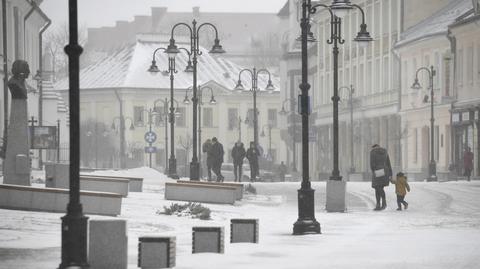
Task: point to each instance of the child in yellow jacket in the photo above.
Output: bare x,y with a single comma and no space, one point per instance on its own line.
401,188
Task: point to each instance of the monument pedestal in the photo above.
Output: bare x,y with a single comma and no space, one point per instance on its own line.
336,196
17,159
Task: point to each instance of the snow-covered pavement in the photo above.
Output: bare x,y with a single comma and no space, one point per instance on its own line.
439,230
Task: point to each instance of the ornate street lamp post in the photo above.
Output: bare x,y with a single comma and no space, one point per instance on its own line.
169,117
432,171
350,91
172,162
172,51
306,222
74,223
239,87
292,129
200,104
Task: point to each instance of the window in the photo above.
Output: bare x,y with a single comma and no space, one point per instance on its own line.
460,67
159,115
385,75
180,118
232,118
207,117
436,141
138,117
469,59
415,145
376,77
478,62
272,117
369,78
249,118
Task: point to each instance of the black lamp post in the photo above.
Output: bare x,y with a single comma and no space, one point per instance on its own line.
350,91
284,112
122,128
432,171
172,162
172,51
239,87
200,104
74,223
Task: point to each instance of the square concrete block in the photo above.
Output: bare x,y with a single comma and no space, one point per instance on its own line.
244,230
108,244
156,252
208,239
336,196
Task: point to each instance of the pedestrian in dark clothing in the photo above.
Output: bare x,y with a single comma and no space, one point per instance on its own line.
282,171
381,174
467,163
252,156
216,151
206,149
238,154
401,188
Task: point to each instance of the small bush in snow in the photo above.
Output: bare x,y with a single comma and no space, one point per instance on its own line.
193,210
250,189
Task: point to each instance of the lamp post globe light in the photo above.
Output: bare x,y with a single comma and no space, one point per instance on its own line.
240,88
172,50
200,104
432,169
350,90
292,128
171,71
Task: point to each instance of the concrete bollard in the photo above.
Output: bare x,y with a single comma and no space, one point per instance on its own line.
208,239
244,230
156,252
108,244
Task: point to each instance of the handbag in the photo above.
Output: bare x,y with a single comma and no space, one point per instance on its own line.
379,172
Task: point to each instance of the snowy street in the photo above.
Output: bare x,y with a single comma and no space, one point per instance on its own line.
439,230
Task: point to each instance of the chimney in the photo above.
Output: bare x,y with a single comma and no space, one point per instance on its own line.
196,12
157,15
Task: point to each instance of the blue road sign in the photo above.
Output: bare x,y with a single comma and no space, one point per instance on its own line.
150,149
150,137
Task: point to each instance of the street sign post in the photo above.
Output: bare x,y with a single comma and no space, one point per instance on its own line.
150,137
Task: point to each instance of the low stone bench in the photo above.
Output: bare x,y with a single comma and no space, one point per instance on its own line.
244,230
135,183
204,193
208,239
105,184
238,186
55,200
107,244
156,252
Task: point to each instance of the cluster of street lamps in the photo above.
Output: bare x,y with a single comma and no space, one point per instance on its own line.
306,222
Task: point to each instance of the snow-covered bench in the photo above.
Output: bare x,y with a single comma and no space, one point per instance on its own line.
205,193
135,183
105,184
238,186
55,200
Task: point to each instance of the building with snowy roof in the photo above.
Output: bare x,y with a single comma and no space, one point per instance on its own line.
120,80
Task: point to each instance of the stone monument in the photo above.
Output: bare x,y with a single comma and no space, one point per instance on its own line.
17,157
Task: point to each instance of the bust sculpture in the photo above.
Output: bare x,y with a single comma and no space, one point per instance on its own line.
16,84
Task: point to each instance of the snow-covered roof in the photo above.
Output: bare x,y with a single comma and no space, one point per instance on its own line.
437,24
127,68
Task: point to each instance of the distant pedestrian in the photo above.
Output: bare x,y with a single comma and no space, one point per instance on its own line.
206,149
252,156
238,154
282,171
216,151
401,188
467,163
381,174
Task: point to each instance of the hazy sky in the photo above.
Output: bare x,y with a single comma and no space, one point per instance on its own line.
94,13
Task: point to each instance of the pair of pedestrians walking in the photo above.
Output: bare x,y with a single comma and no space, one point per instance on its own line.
239,154
214,150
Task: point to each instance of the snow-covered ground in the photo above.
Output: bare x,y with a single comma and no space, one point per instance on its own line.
439,230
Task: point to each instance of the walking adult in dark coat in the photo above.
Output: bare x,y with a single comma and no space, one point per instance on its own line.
238,154
252,156
206,149
216,151
381,174
467,163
